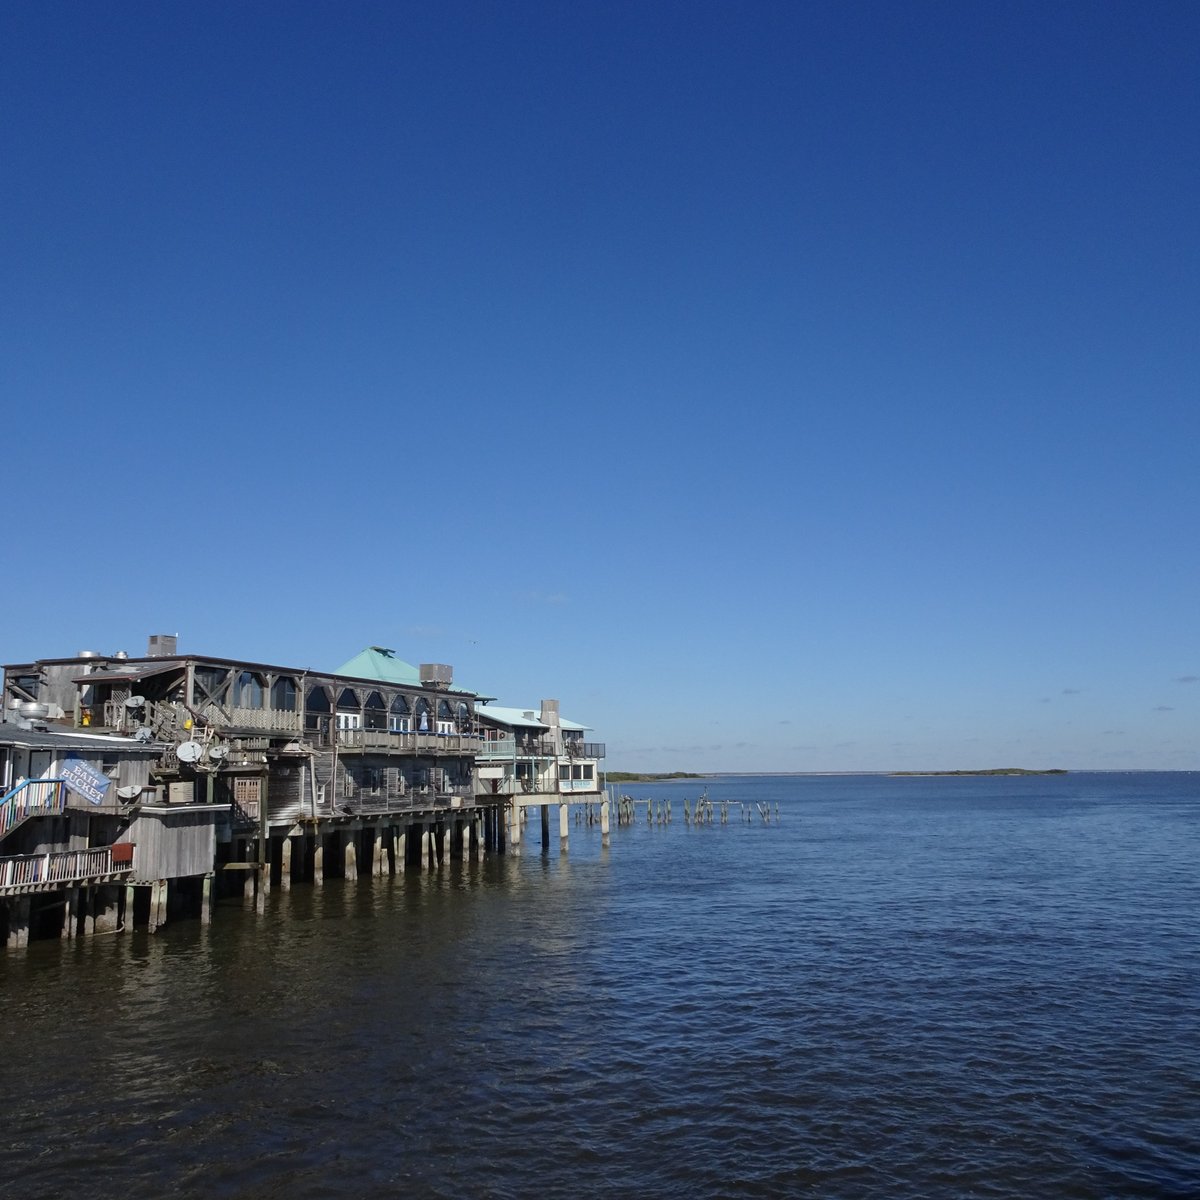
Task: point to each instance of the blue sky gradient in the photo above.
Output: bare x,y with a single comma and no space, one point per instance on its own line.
780,386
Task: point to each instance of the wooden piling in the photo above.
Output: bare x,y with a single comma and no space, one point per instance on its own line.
158,905
70,911
285,864
18,922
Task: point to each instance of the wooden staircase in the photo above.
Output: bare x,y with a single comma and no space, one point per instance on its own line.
32,798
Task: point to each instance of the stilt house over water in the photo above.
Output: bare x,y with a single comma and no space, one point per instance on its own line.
137,789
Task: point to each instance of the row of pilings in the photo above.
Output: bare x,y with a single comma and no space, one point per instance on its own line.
310,852
705,812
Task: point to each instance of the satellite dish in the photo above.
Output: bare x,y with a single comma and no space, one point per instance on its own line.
218,752
144,734
189,752
129,791
135,702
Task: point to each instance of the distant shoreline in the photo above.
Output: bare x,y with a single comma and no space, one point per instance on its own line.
668,776
649,777
992,771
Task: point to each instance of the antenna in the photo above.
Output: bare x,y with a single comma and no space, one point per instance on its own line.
189,752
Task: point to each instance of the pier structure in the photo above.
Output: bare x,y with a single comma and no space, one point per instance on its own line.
538,761
137,791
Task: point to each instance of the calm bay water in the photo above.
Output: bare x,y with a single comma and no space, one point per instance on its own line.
905,987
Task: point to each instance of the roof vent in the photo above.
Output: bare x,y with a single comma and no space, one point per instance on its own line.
89,654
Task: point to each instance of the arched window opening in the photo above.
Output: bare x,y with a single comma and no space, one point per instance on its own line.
399,719
349,710
247,691
283,694
316,708
375,713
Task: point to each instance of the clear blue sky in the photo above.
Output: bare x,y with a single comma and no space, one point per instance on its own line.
781,386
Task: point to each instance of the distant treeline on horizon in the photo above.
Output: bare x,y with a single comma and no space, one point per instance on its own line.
661,776
991,771
648,777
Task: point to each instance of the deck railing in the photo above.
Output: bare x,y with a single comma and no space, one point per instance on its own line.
384,739
32,798
34,872
413,799
583,749
510,748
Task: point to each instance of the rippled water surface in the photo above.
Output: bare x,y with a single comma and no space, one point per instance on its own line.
905,987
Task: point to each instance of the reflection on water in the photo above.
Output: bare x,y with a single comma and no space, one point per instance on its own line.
905,987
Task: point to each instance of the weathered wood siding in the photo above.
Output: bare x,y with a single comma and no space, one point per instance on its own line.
286,791
173,845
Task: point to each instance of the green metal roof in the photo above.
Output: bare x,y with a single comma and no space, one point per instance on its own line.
527,717
512,717
377,663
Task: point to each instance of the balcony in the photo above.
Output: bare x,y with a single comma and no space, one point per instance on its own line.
45,872
407,743
415,799
583,749
509,749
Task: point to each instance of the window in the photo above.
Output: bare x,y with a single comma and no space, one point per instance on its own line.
398,724
27,684
316,707
349,714
283,694
246,793
209,682
375,712
247,691
564,774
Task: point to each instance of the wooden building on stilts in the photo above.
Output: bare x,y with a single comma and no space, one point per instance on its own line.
137,790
